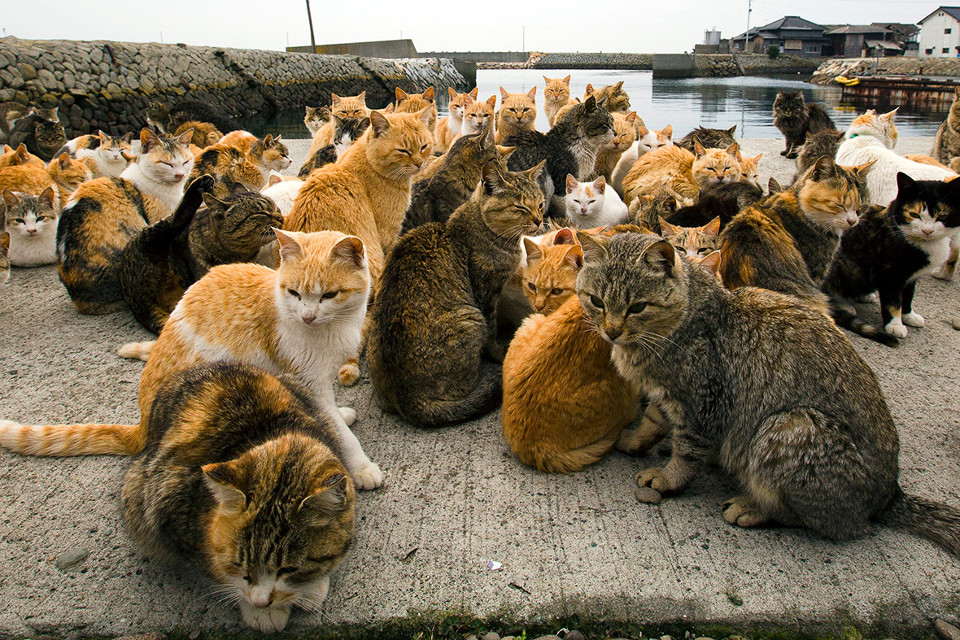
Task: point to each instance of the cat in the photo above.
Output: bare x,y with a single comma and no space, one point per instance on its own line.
105,214
518,112
264,505
592,204
695,243
821,143
167,257
564,405
344,107
346,131
749,172
230,163
283,191
682,172
109,155
613,97
416,102
795,119
946,145
435,199
204,133
42,134
32,223
67,175
894,246
187,110
570,147
449,126
708,138
556,94
14,157
270,154
433,316
787,242
723,201
647,140
548,272
10,112
4,257
800,420
478,115
625,134
63,174
316,117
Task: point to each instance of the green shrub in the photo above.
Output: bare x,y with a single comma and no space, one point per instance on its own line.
773,52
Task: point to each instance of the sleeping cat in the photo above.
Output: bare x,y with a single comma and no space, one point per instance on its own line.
946,146
64,174
433,317
315,118
695,243
14,157
264,505
518,112
647,140
106,213
809,437
477,115
108,154
449,127
892,247
592,204
346,131
708,138
4,257
32,223
795,119
681,172
625,134
556,94
204,133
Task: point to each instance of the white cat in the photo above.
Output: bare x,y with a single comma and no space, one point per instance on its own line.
871,138
591,204
32,222
108,158
283,191
647,140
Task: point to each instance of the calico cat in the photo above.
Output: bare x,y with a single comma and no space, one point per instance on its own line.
109,155
315,118
708,138
449,127
795,119
42,136
346,131
821,143
613,97
32,223
269,154
681,172
106,213
946,145
695,243
800,420
518,112
570,147
478,115
625,134
556,94
14,157
242,474
433,316
592,204
229,163
893,246
548,272
435,199
344,107
167,257
4,257
647,140
787,242
204,133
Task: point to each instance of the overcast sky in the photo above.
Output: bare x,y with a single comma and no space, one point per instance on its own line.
558,25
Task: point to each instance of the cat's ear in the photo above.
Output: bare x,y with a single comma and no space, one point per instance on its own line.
185,137
863,169
505,152
491,178
756,159
574,256
732,130
572,183
331,499
267,139
824,168
632,117
47,197
532,249
103,136
533,173
7,148
473,93
546,80
904,183
711,262
10,199
64,160
127,137
426,115
600,184
662,257
379,124
275,178
712,228
428,94
532,94
362,97
290,249
773,186
871,112
618,86
451,93
566,80
890,115
594,247
334,99
225,481
734,150
362,126
564,236
148,140
698,149
590,104
400,95
492,101
351,250
587,91
390,108
215,204
504,94
666,227
668,131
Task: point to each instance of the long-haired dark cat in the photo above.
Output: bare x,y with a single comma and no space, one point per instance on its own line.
187,110
759,382
724,200
817,145
242,475
708,138
892,247
795,119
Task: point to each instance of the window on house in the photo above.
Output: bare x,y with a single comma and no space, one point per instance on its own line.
946,50
929,52
947,31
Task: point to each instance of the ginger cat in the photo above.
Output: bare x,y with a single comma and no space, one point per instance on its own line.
12,157
549,272
416,102
625,133
682,172
449,127
478,115
518,112
303,320
64,174
564,404
556,95
748,169
345,107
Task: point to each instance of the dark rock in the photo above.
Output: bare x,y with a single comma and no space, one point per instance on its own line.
955,323
647,495
573,635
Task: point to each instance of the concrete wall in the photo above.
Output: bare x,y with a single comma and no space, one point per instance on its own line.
110,85
480,56
374,49
674,65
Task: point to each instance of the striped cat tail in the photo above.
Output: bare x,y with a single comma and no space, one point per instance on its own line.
72,439
136,350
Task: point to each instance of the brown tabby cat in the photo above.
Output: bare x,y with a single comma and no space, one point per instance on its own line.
680,171
556,95
946,146
695,243
345,107
518,112
615,98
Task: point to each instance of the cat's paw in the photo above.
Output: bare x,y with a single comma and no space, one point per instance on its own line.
201,185
913,319
349,415
945,272
742,512
870,297
895,328
367,476
657,479
265,620
349,373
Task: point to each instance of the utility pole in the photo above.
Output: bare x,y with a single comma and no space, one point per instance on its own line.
313,41
746,37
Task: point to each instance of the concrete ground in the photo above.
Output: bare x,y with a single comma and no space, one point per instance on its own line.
574,545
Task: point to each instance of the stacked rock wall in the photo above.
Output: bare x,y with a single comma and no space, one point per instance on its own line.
894,66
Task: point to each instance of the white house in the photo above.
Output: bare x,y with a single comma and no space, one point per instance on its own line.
940,34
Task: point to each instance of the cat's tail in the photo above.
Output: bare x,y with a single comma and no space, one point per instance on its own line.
851,322
552,459
482,399
934,521
72,439
136,350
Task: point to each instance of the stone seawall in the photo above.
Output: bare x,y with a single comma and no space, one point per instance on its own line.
110,85
935,67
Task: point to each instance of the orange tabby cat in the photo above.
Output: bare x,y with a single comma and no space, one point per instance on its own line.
549,274
518,112
416,102
345,107
556,95
64,174
625,133
449,127
477,115
748,169
680,171
12,157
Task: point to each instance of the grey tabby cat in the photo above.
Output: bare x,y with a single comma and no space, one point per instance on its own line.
800,419
4,258
946,147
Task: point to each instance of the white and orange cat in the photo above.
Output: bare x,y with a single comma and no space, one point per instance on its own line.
647,140
518,112
106,155
593,204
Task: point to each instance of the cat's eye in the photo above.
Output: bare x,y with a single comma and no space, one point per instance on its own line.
329,295
285,571
423,148
637,307
556,292
532,286
294,293
704,250
680,248
404,152
597,302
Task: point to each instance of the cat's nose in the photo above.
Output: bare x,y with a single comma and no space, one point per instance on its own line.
308,316
926,232
852,219
614,333
179,177
33,232
260,597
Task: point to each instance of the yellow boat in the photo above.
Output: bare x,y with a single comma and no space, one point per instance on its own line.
847,82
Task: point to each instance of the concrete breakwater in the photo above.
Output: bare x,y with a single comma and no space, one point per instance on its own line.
930,67
110,85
